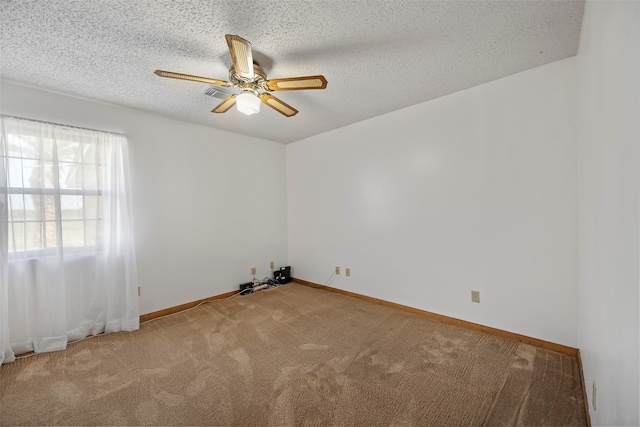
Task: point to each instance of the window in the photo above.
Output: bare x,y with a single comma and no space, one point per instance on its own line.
54,188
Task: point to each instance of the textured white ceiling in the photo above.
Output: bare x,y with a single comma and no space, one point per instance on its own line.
378,56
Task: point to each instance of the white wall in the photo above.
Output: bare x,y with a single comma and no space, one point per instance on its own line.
208,205
608,116
472,191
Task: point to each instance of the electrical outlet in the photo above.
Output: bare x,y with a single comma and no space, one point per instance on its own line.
271,264
337,270
475,296
253,270
347,272
593,395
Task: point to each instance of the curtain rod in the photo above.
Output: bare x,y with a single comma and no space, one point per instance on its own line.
60,124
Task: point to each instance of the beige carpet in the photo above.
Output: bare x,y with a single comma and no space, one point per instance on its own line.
294,356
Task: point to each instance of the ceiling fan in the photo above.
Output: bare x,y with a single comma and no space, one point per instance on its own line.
251,80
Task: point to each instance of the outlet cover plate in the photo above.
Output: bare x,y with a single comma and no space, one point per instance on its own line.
475,296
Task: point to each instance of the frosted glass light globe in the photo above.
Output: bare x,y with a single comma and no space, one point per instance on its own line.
248,103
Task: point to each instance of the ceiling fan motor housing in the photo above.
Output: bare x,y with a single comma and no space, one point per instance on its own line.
258,79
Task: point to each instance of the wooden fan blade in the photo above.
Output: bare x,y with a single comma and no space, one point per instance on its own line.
240,51
297,83
278,105
180,76
224,106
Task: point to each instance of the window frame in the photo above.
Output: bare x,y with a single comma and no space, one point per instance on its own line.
57,193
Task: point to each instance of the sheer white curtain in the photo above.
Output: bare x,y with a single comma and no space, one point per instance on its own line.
67,257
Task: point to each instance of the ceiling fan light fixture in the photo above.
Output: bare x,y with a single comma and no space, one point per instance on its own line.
248,81
248,103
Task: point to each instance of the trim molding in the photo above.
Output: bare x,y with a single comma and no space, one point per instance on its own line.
560,348
182,307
